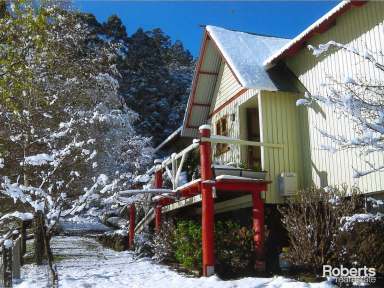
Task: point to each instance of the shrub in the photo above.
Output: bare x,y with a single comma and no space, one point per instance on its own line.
163,242
234,247
362,245
187,244
143,244
312,220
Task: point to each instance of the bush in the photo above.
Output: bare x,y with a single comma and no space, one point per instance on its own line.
163,242
187,244
143,245
362,245
234,247
312,220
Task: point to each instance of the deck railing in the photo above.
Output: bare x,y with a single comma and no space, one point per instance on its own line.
205,189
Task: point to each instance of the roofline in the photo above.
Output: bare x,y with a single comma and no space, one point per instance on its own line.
318,27
206,38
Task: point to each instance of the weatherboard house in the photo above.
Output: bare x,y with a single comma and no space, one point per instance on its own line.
256,146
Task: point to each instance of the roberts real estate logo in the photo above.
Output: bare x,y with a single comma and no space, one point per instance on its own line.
350,275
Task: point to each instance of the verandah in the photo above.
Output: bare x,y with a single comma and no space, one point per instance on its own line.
206,187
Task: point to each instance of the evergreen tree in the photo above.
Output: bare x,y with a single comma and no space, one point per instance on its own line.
155,75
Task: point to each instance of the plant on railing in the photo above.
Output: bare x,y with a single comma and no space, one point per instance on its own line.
234,247
256,167
192,164
188,244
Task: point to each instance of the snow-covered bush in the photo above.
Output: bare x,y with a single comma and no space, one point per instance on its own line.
362,243
163,242
313,222
143,244
357,97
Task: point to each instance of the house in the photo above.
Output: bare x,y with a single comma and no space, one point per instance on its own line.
359,24
247,90
243,107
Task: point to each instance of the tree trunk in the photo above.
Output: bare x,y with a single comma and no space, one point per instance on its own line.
39,238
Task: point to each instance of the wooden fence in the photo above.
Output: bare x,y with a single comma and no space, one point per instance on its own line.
12,250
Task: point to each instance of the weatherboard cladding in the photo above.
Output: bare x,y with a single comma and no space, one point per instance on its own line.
280,123
360,27
318,27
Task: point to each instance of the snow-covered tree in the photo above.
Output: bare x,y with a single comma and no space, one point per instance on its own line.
66,136
359,99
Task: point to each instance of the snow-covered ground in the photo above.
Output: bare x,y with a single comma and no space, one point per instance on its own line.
85,263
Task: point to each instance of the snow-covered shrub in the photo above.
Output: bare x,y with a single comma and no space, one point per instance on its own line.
143,244
361,244
312,220
188,244
234,248
163,242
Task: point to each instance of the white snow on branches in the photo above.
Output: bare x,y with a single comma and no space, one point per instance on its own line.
18,215
348,222
39,159
358,98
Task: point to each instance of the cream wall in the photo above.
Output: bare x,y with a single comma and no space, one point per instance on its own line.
360,27
280,123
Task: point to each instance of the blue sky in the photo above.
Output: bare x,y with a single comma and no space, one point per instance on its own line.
181,20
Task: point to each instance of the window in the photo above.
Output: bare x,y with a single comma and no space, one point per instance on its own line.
222,130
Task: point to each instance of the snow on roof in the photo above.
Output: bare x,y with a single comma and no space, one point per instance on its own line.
319,26
245,54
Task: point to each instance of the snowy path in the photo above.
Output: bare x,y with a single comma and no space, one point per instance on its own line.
82,262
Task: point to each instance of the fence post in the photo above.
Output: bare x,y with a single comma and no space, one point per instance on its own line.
38,238
207,204
16,253
23,232
7,263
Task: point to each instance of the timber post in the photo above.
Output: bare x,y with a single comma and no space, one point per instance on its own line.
23,232
207,220
258,229
131,235
7,265
16,254
158,184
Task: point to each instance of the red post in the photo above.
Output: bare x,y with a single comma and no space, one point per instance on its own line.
157,218
158,184
258,229
207,220
132,214
158,179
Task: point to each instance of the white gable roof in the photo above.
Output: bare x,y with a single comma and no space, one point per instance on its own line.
246,53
